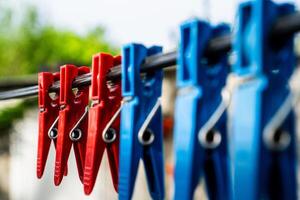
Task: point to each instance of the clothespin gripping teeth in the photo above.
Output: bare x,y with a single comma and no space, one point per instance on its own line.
73,121
48,116
141,123
263,126
200,114
104,121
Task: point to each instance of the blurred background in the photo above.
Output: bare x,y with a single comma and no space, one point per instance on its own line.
41,35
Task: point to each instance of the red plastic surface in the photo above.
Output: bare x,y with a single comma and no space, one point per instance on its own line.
49,108
72,107
107,100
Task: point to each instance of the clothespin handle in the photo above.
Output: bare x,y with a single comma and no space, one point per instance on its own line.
268,64
200,128
131,83
141,97
48,112
104,121
73,121
103,63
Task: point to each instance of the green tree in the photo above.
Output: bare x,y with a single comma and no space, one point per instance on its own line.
28,46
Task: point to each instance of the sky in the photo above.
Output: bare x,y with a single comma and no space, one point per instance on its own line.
148,22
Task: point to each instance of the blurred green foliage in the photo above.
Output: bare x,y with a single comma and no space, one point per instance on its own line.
10,113
28,46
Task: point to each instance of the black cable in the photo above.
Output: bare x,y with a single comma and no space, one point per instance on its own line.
283,27
19,93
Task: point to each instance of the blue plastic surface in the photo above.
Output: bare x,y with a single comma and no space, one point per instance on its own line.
260,172
200,82
141,93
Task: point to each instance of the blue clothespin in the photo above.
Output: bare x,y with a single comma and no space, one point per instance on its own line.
141,123
200,115
263,129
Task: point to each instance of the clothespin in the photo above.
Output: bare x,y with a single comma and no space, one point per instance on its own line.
48,117
73,121
200,114
104,121
141,123
263,128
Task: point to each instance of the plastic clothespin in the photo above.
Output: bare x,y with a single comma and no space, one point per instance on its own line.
48,116
104,121
141,123
73,121
263,128
200,114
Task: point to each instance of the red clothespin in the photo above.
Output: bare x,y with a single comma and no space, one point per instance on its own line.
48,117
73,121
104,121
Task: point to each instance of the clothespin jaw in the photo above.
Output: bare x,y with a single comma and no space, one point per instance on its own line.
73,121
105,109
200,80
141,123
262,127
48,113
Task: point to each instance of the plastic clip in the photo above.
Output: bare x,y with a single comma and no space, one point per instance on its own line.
48,116
263,143
200,114
104,121
73,121
141,123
